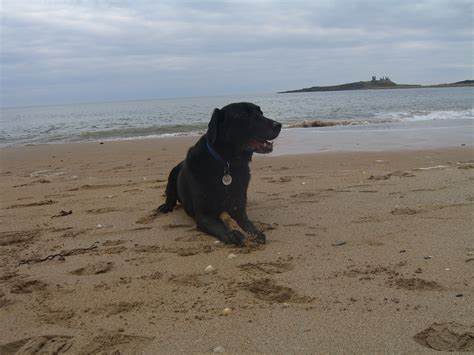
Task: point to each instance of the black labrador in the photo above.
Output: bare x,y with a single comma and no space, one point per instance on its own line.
211,183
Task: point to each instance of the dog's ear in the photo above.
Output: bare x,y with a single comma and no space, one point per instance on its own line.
212,127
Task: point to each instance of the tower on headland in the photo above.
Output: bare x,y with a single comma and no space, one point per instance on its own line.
382,78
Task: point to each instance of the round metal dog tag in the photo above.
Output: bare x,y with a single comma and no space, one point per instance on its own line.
227,179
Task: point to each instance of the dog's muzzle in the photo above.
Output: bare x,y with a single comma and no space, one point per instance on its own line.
261,146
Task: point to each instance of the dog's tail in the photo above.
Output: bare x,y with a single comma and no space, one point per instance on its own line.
171,190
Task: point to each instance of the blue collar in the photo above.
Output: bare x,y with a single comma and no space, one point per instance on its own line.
217,156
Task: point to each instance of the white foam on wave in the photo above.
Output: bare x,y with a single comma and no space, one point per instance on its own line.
428,115
152,136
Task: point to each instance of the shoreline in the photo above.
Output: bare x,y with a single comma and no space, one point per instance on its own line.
417,135
132,120
382,239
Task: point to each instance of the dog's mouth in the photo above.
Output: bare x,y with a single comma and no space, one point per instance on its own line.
261,146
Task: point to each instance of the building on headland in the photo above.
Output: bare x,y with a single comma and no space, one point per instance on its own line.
383,78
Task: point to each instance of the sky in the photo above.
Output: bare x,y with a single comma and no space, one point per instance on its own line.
67,51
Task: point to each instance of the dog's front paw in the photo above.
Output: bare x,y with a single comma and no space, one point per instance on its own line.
260,237
165,207
233,237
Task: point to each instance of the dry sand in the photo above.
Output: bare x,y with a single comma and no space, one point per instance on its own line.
366,252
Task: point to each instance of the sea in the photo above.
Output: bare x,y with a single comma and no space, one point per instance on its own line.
373,119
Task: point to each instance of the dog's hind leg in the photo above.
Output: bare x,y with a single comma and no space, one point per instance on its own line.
171,190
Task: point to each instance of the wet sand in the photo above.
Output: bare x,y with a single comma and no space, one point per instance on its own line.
366,252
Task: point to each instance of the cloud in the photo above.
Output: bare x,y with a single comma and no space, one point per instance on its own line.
66,51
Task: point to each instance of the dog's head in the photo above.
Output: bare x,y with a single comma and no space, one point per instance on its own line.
242,127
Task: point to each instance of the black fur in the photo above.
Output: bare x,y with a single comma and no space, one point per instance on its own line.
235,132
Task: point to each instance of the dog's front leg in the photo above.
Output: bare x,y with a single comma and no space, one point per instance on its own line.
244,222
218,229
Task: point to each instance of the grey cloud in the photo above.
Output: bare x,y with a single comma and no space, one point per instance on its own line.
90,50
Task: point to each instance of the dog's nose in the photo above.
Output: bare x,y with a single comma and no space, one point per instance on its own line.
276,125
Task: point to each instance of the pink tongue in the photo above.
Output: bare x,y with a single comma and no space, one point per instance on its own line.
260,144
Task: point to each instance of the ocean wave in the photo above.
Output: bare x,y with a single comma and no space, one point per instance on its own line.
133,132
62,133
91,134
427,115
386,118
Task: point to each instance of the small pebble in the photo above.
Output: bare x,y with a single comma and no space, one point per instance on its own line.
209,268
232,256
285,304
339,243
447,269
428,257
216,242
226,311
218,349
403,251
459,295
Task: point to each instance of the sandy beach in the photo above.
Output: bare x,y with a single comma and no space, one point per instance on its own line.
366,252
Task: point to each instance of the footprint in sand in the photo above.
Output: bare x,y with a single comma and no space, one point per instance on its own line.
28,286
447,337
3,300
304,195
467,166
16,237
116,343
40,181
268,290
206,249
388,176
194,280
403,211
102,210
147,249
265,227
93,187
94,269
115,250
113,243
112,309
148,218
56,316
268,268
416,284
46,344
177,226
281,180
192,238
34,204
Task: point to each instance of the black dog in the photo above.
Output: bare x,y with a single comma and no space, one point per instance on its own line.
211,183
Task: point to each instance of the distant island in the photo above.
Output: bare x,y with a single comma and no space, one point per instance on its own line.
381,83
